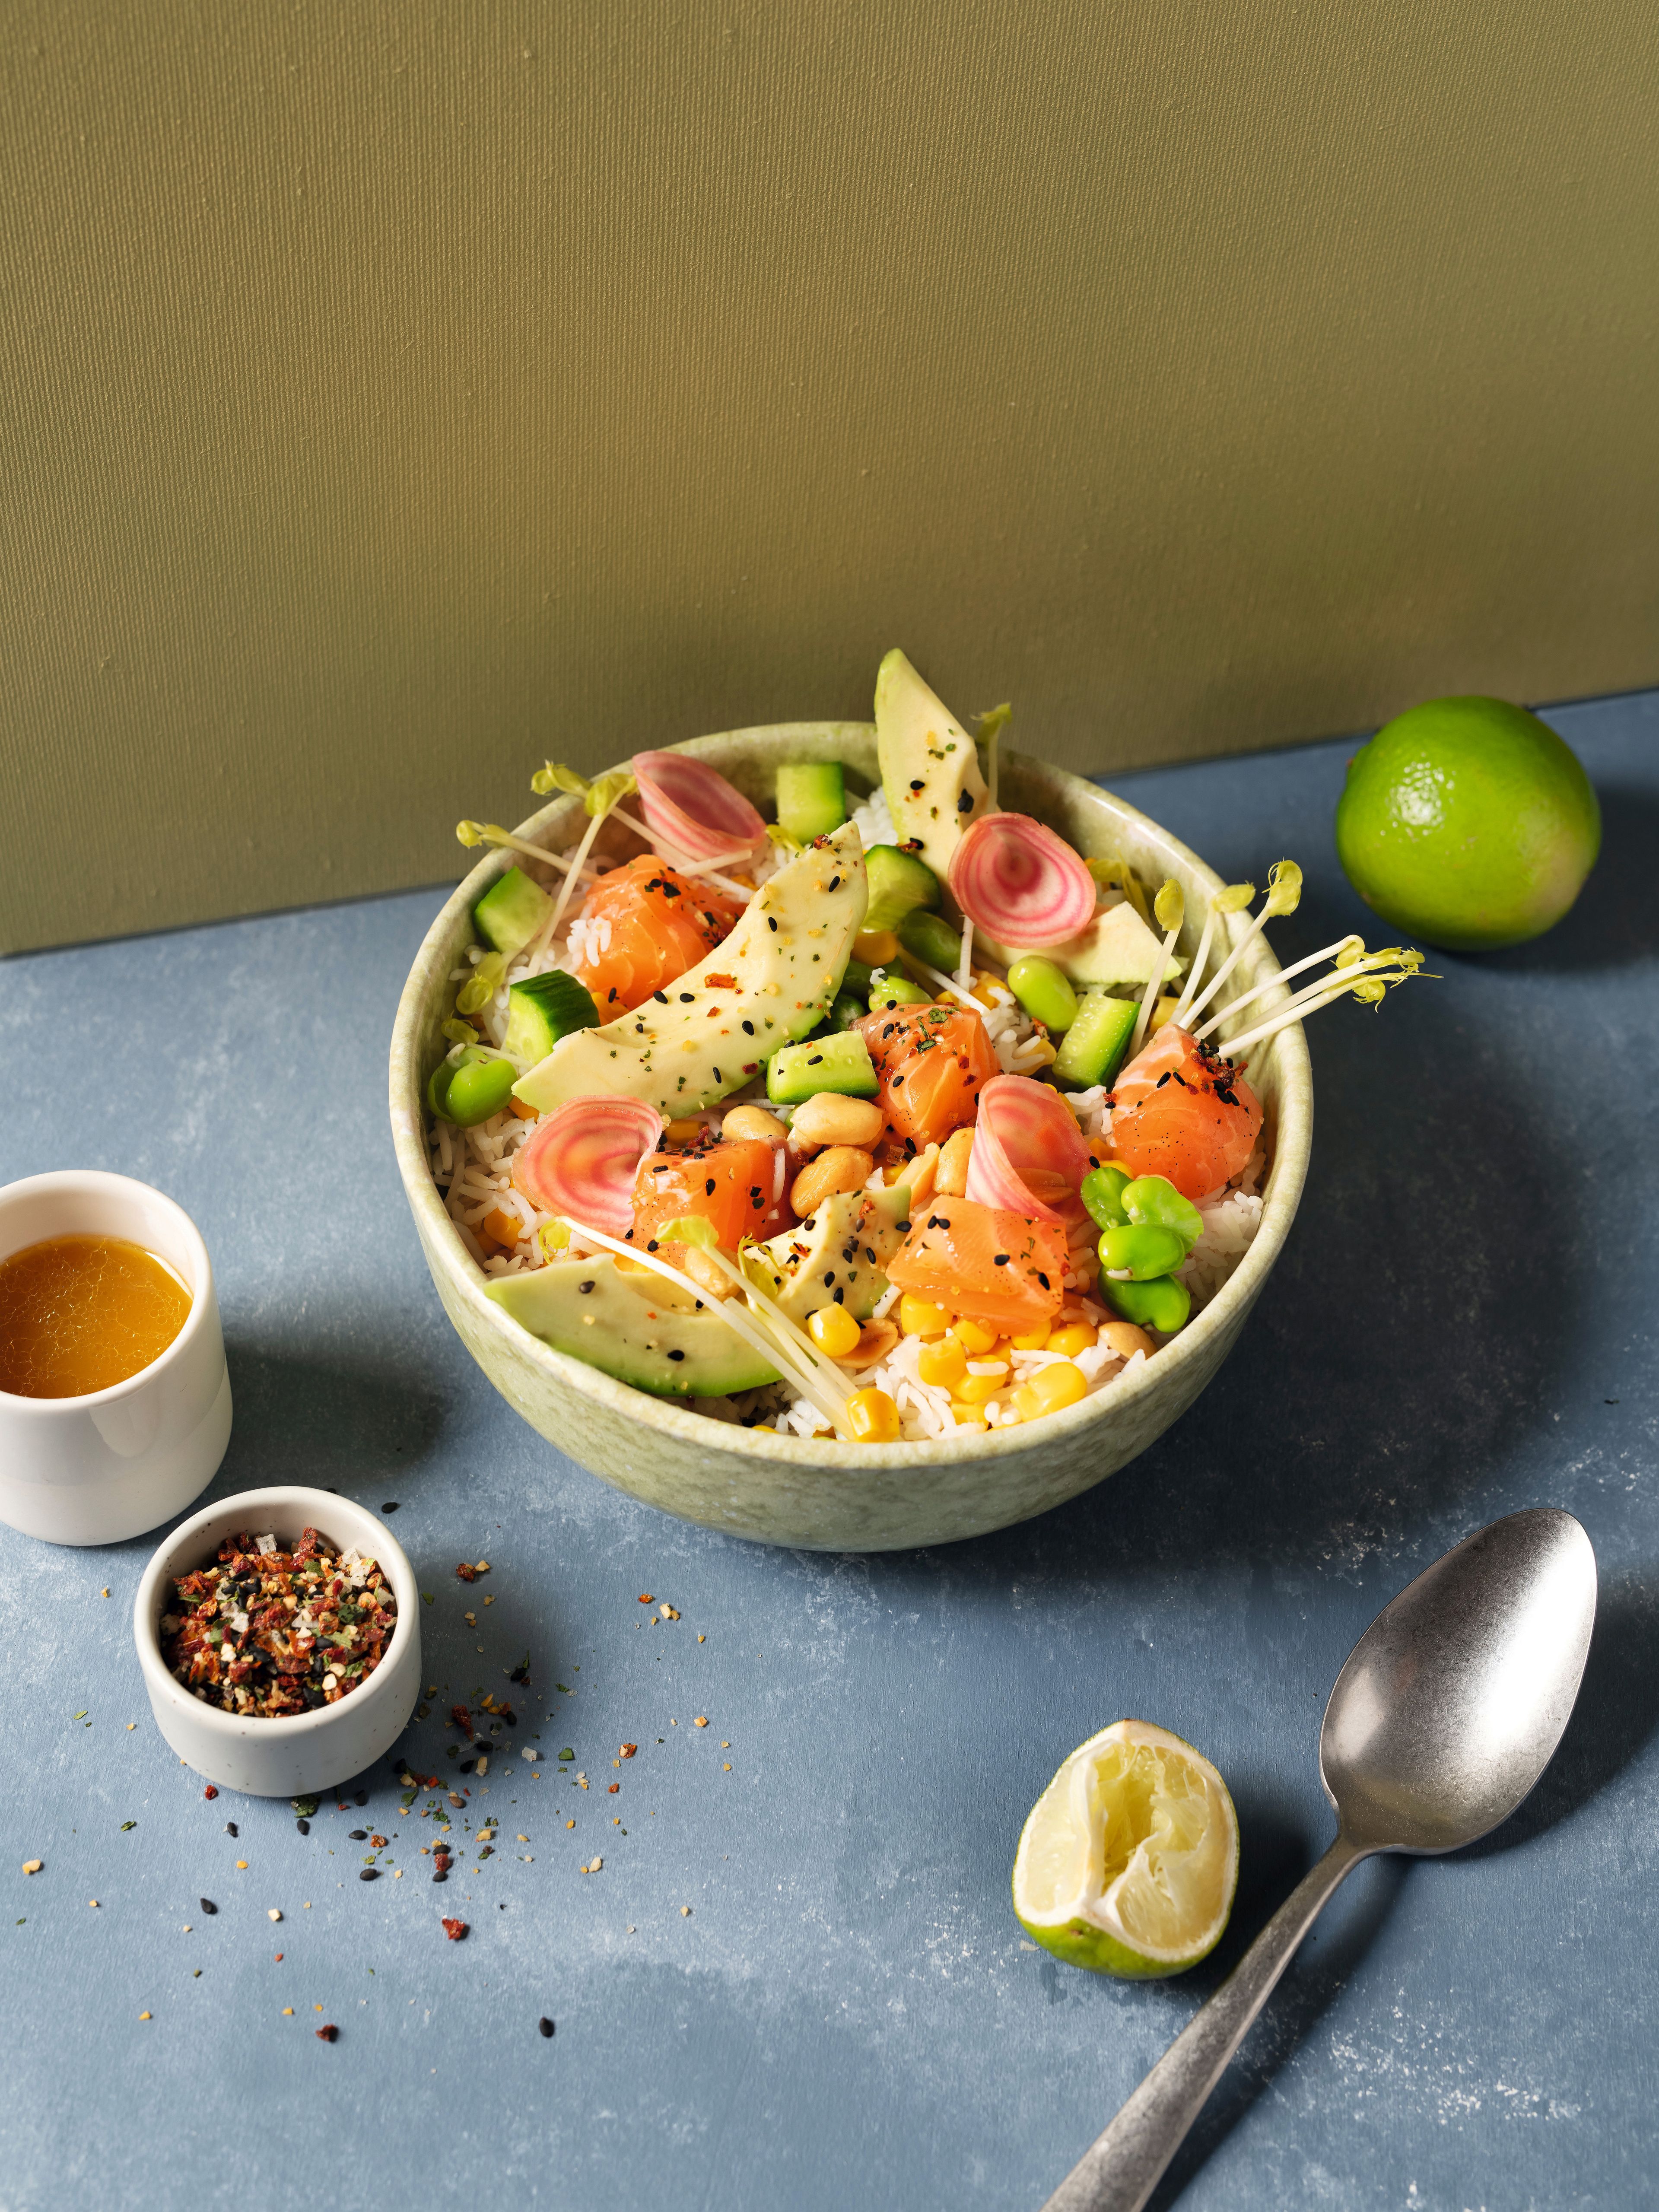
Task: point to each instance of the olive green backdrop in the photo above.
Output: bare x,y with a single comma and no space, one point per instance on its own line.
393,394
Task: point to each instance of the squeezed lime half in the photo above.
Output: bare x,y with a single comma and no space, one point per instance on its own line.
1128,1862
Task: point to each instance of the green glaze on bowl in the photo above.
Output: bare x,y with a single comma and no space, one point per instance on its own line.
821,1495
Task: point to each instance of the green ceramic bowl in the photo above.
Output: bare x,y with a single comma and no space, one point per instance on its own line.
826,1495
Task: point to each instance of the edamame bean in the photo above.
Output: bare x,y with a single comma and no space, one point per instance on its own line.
889,991
481,1085
932,938
1044,991
1146,1251
1155,1198
470,1085
1163,1304
1102,1194
847,1010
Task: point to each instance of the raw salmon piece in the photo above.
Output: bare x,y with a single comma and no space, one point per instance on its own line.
981,1262
1181,1112
731,1186
932,1062
661,924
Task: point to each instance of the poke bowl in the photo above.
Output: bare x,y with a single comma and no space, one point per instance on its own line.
711,1443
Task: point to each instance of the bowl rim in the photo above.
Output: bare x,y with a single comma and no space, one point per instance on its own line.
319,1506
203,1300
676,1419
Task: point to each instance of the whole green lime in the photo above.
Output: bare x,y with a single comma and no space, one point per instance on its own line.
1468,822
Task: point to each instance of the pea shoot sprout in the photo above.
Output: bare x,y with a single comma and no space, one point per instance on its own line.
1284,896
599,799
1169,908
991,727
1232,900
1368,976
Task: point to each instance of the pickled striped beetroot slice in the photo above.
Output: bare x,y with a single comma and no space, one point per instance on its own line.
1025,1133
693,807
1020,884
581,1160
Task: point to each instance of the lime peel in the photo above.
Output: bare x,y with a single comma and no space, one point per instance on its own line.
1129,1861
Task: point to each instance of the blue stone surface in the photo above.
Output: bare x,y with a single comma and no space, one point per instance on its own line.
849,2015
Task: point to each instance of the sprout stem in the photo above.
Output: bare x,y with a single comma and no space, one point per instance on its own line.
953,985
683,862
491,833
1329,952
550,928
1224,902
1283,892
1373,974
965,971
1170,910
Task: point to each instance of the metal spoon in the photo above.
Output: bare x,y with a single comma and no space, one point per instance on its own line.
1449,1709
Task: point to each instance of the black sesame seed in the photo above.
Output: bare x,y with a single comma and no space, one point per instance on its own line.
834,882
1001,1260
1043,1279
661,997
829,1279
304,1826
360,1797
686,997
708,1187
675,1354
771,921
964,803
916,784
749,1028
230,1827
584,1288
207,1905
651,1246
545,2025
368,1874
358,1835
442,1874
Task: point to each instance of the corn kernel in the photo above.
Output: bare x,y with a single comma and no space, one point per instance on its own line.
917,1317
874,1418
1035,1339
685,1132
974,1339
875,947
975,1389
969,1417
945,1363
1164,1010
834,1330
1076,1336
1049,1389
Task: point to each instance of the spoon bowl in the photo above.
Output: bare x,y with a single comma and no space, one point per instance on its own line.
1452,1702
1448,1710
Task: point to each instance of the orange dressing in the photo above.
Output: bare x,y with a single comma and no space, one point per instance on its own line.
80,1313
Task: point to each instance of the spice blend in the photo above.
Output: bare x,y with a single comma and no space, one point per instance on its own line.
264,1633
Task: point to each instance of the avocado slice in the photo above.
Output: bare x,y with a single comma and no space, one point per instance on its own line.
930,772
831,1254
626,1326
929,765
689,1046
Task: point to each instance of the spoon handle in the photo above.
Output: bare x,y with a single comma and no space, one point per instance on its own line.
1121,2169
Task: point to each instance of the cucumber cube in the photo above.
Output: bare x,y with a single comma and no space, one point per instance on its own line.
840,1063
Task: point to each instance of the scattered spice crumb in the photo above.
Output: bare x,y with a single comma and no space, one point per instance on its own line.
33,1866
328,2035
629,1750
702,1721
103,1593
288,2012
726,1766
209,1792
685,1912
611,1788
242,1866
702,1640
645,1598
272,1913
455,1930
93,1902
143,2016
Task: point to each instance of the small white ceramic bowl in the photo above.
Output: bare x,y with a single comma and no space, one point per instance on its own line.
98,1468
305,1753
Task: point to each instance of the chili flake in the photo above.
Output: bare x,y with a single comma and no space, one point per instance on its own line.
455,1930
263,1632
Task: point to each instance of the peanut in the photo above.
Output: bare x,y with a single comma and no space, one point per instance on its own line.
746,1124
1125,1339
920,1174
843,1167
951,1181
829,1119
